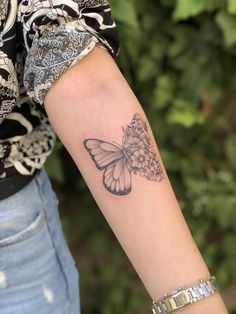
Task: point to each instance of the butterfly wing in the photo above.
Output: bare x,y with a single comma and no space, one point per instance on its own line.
103,153
117,177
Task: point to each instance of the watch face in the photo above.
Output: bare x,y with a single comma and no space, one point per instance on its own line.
176,300
182,298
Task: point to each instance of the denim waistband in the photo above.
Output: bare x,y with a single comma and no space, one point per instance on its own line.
14,183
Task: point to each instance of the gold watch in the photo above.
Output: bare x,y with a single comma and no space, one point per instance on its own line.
184,296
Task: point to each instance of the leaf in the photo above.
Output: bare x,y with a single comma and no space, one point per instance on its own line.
163,91
187,8
185,114
230,148
147,68
231,6
227,24
132,43
124,11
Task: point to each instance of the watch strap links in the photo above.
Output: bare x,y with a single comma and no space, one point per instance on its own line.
184,296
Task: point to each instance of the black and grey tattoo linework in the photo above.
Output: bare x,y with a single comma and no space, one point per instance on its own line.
135,155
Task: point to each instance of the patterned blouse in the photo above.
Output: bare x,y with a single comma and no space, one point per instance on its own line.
39,40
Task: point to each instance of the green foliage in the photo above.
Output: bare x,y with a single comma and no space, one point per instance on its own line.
129,18
227,23
54,164
230,148
179,57
187,8
231,7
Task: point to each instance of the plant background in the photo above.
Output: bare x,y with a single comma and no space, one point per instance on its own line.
179,58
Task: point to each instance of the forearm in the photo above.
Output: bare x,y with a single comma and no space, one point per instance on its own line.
93,100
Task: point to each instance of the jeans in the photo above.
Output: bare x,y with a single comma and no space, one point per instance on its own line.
38,274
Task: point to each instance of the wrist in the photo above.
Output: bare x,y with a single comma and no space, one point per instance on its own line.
182,297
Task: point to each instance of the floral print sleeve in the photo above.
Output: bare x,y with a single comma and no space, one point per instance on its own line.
57,34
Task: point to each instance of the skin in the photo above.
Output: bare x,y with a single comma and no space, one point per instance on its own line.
92,99
119,162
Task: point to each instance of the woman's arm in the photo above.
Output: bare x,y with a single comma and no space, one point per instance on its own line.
92,100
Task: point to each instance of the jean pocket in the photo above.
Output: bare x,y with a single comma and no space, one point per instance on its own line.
16,229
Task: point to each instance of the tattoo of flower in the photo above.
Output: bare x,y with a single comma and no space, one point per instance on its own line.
135,155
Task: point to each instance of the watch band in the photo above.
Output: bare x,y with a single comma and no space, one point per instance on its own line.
183,296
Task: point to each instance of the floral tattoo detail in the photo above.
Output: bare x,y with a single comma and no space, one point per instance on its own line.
135,155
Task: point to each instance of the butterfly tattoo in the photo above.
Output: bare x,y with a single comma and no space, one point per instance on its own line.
135,155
